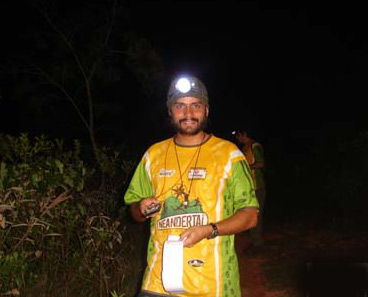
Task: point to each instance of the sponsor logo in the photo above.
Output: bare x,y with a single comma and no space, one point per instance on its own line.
195,263
166,173
182,221
197,173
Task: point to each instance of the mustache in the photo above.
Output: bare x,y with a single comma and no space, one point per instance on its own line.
189,119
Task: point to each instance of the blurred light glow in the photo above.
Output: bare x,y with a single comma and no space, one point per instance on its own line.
183,85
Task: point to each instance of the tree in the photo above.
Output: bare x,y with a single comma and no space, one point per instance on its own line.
84,53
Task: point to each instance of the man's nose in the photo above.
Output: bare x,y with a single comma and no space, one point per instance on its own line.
188,112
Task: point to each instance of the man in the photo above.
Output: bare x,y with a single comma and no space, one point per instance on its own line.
253,151
203,189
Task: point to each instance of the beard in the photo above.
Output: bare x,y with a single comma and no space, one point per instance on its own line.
202,126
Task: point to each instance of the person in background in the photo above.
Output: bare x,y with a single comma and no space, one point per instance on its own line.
197,190
254,153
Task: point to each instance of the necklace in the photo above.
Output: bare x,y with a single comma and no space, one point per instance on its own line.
181,189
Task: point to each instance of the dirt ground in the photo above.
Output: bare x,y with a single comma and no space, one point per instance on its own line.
273,270
253,280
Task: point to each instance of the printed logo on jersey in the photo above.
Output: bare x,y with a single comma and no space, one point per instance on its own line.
197,173
166,173
195,263
182,221
180,212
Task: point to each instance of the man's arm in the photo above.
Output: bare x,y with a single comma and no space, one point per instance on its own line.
257,165
139,187
258,156
245,214
242,220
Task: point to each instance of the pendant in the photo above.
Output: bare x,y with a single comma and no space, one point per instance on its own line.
186,200
182,195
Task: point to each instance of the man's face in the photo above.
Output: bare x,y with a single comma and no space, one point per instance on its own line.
189,115
242,137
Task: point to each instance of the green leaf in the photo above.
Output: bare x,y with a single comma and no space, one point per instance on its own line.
53,234
3,170
60,166
35,178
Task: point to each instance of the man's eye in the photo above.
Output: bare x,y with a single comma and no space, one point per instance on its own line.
197,106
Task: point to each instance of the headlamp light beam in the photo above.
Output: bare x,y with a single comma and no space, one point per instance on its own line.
183,85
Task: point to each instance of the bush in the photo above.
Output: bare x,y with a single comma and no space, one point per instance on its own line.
56,235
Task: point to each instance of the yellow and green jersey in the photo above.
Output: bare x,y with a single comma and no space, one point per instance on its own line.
195,186
253,151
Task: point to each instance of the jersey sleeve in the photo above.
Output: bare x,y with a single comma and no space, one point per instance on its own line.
140,186
258,153
241,186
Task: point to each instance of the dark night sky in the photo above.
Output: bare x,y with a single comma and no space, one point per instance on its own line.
288,71
284,70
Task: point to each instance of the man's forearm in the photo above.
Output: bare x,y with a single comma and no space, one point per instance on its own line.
242,220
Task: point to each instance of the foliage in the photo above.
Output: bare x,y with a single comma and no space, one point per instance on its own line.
115,294
56,235
41,167
81,63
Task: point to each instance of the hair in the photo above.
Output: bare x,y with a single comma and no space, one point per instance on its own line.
243,131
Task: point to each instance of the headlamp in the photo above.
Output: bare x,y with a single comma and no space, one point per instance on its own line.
186,86
183,85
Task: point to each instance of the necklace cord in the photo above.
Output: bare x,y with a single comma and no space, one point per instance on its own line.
186,196
180,172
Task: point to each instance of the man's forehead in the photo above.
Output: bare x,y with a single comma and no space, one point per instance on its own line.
188,100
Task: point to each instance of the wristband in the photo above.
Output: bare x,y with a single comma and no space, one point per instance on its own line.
214,231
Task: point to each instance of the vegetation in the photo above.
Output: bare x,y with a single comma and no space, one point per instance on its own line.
64,230
59,233
80,66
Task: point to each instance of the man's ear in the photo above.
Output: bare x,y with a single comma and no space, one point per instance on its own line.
207,110
169,111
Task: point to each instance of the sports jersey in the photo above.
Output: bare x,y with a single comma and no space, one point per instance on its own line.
195,186
254,153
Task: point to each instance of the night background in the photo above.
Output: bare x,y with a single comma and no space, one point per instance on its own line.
294,74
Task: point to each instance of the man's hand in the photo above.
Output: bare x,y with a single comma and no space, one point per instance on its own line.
195,234
137,209
146,203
